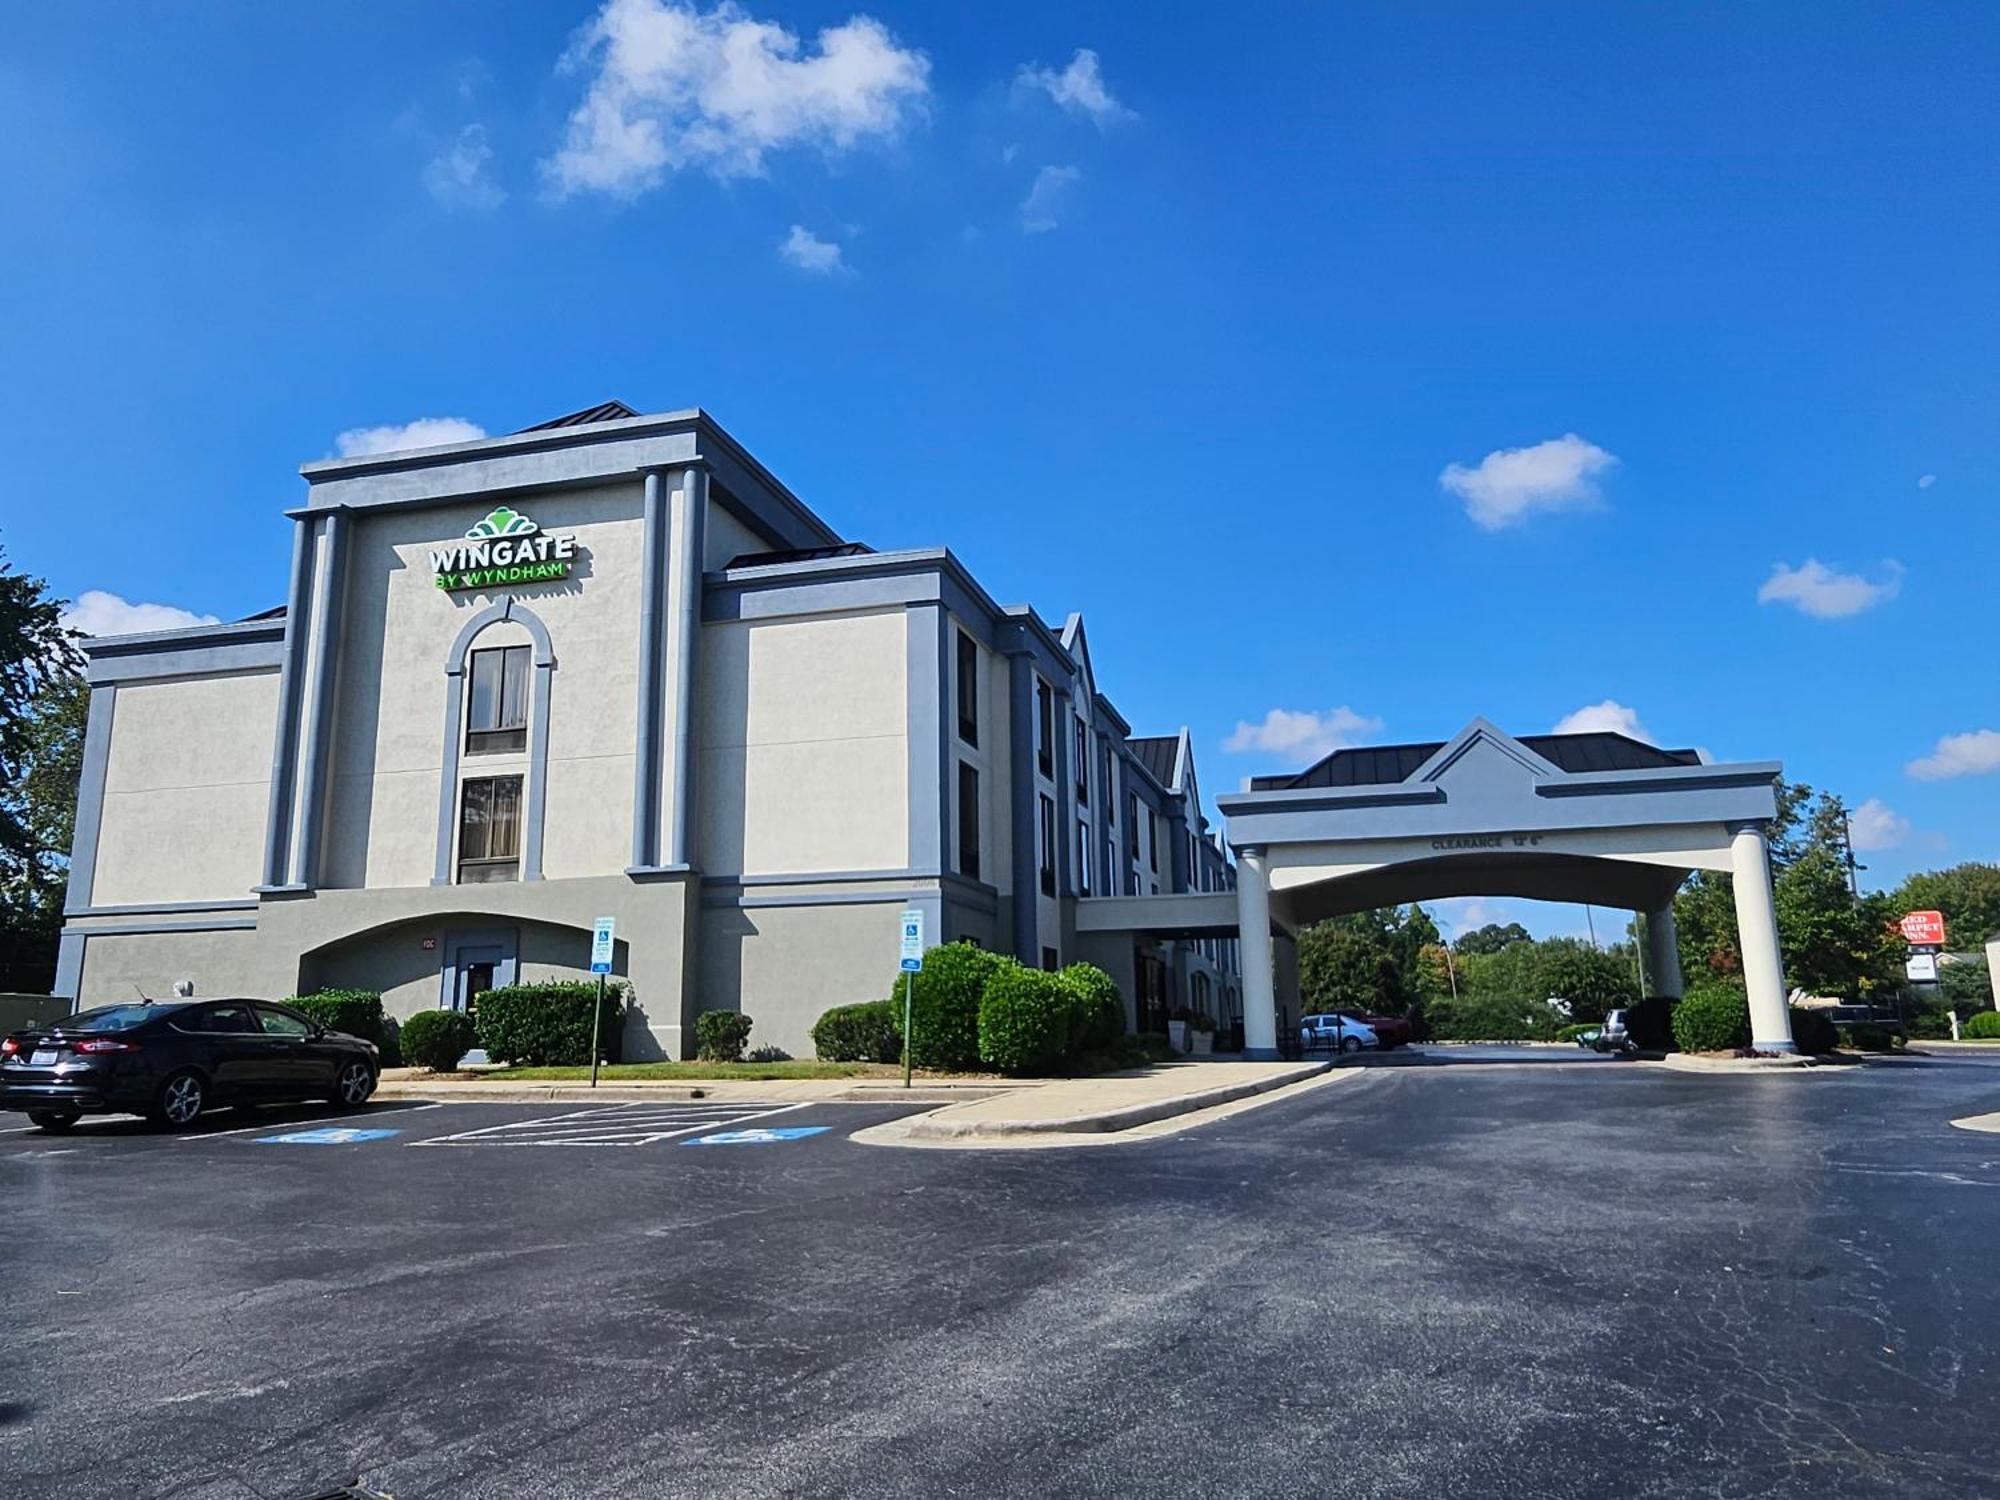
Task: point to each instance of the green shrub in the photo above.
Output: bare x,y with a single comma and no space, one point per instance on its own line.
1025,1021
1814,1032
437,1039
1866,1036
1712,1018
1571,1033
547,1025
944,1016
1982,1026
868,1032
719,1035
1098,1020
1650,1024
356,1012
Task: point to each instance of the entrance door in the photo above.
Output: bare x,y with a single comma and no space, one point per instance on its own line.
1150,1003
475,962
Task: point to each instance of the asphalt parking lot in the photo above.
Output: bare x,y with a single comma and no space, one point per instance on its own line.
1507,1280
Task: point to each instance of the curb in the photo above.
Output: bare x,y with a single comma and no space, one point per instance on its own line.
629,1093
932,1128
1680,1062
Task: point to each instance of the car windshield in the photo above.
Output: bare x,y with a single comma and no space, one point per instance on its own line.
112,1018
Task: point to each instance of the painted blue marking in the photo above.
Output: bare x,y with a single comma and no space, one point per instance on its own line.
326,1135
763,1137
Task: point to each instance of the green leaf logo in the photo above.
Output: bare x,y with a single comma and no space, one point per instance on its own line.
503,521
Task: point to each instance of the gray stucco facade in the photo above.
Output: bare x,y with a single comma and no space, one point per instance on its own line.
661,689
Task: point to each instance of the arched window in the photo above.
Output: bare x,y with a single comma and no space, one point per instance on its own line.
496,718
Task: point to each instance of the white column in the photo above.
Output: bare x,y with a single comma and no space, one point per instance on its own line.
1757,935
1253,930
1663,953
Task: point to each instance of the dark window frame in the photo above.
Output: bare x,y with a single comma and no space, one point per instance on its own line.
1047,852
1082,763
968,689
1083,856
487,866
1045,728
968,819
508,734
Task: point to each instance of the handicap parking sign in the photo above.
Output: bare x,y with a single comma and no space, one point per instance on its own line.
758,1137
326,1135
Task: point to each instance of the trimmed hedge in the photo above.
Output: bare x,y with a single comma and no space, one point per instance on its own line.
1712,1018
1571,1033
1814,1032
1098,1019
1981,1026
356,1012
437,1039
944,1015
868,1032
719,1035
547,1025
1026,1020
1866,1036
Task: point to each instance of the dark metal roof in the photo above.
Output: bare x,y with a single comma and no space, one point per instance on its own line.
1603,750
1156,753
608,411
275,612
798,554
1385,765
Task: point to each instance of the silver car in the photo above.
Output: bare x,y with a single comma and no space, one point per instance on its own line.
1336,1033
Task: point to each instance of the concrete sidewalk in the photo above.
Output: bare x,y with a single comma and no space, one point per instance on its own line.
413,1083
1075,1111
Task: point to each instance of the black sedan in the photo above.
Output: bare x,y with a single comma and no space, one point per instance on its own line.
171,1061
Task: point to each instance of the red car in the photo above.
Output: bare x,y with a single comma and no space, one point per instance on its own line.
1391,1031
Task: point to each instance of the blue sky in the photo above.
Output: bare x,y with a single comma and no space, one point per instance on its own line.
1377,365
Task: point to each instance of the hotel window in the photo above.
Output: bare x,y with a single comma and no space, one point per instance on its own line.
1082,857
1047,846
499,718
968,820
1082,764
1153,842
1045,729
1132,826
968,689
1110,797
1051,960
489,830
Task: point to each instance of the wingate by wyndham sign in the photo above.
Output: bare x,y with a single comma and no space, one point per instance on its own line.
504,548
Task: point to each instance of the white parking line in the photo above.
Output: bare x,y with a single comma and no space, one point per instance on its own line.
620,1125
311,1122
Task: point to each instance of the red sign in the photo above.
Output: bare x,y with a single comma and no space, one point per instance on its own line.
1923,929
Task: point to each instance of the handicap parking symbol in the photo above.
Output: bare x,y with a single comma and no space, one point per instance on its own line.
758,1137
326,1135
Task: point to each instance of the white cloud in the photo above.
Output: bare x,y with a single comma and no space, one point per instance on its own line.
807,251
1609,715
1047,198
1973,754
1825,594
99,613
1510,483
1078,88
1301,737
673,87
1925,481
425,432
1876,825
458,177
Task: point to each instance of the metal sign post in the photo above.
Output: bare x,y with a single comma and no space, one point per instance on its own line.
909,965
603,938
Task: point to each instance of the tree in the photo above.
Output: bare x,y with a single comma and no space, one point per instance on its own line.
1366,960
1968,895
44,803
42,705
1492,938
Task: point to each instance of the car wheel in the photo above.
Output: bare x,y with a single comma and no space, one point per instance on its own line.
1350,1044
52,1119
354,1083
181,1098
